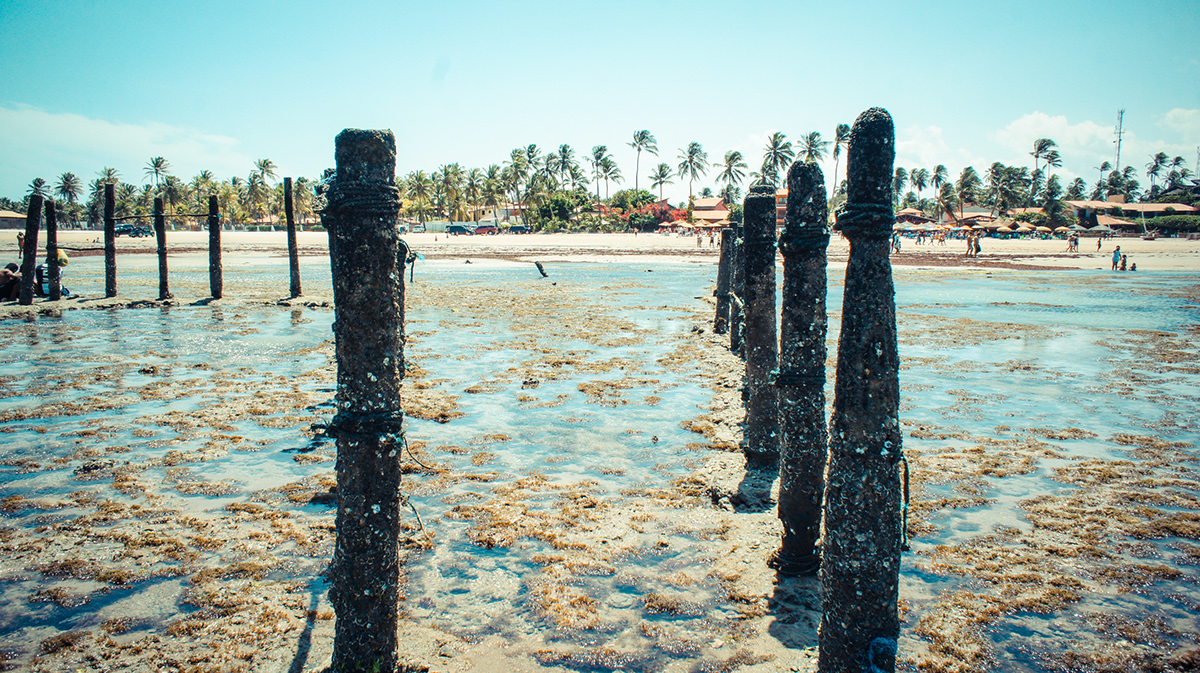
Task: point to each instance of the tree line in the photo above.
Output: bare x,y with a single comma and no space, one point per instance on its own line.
556,189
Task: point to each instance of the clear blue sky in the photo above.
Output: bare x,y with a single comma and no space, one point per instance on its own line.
216,85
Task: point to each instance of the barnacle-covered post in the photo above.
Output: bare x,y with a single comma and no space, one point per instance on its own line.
761,436
721,321
801,378
861,550
52,270
216,283
293,250
160,235
110,239
33,221
360,216
736,288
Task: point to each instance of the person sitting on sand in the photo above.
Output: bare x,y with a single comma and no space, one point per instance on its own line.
1122,262
10,282
41,277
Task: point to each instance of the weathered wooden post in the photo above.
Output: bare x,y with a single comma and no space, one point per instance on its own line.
110,240
801,378
360,216
160,234
861,565
33,220
216,282
737,288
54,291
293,251
721,321
761,436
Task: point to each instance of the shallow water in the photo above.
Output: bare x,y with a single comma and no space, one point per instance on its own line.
230,393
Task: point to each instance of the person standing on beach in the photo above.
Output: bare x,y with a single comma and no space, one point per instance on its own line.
1116,257
1099,242
20,244
977,245
970,245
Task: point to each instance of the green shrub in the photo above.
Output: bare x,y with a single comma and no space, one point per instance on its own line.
1175,223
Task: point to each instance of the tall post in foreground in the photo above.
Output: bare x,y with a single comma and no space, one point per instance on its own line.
216,283
33,220
160,235
801,379
360,216
861,565
721,321
737,288
761,435
110,240
54,291
293,251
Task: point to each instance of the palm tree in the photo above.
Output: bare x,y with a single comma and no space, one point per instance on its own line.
419,188
563,162
693,163
109,175
918,178
778,154
841,139
599,154
609,171
493,189
968,187
67,189
661,176
940,177
1041,146
157,168
266,170
642,140
1104,168
1077,191
38,187
812,148
473,191
732,170
899,181
1154,168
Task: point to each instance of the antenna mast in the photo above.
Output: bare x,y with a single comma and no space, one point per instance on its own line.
1119,132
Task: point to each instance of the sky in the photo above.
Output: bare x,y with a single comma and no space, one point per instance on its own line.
217,85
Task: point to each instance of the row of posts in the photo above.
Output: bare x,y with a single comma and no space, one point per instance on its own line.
33,219
784,392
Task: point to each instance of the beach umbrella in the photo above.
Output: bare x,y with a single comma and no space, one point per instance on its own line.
1024,229
1062,229
1043,228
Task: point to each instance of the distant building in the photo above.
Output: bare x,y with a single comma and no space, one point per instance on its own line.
11,220
709,212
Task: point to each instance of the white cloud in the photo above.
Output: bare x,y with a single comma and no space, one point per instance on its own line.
926,147
37,143
1186,123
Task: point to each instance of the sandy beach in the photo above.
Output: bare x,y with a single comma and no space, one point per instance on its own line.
167,492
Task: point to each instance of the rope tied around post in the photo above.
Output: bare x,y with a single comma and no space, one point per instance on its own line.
866,220
354,425
362,197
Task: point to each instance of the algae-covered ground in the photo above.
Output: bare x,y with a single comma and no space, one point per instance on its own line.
166,493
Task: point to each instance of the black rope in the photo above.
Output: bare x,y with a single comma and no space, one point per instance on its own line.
351,425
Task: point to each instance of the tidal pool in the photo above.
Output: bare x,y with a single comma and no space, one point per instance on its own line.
157,462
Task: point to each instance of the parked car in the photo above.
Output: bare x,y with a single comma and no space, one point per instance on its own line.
132,230
418,228
518,229
458,229
485,229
